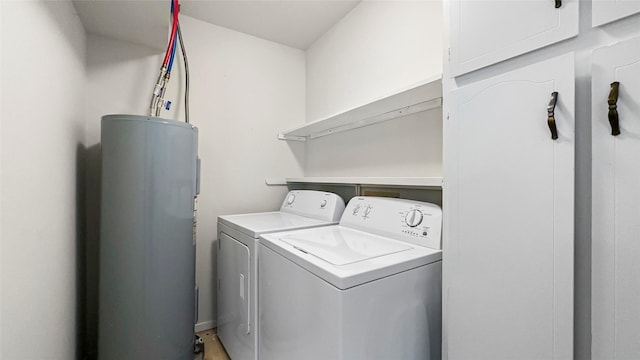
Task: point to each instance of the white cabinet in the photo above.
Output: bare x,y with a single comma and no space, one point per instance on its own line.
509,192
606,11
616,204
487,32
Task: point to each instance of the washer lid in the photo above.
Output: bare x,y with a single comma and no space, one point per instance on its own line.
256,224
348,257
340,248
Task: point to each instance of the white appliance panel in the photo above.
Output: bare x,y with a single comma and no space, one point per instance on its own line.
304,317
260,223
410,221
337,249
315,204
238,262
234,297
401,256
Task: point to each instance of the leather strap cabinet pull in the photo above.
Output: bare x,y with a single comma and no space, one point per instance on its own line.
613,109
551,117
558,3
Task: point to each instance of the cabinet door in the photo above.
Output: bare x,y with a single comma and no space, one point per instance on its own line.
508,253
616,204
487,32
606,11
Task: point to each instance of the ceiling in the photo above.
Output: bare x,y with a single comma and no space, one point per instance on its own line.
296,23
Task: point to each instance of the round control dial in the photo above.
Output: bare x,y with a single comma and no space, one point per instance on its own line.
367,210
290,199
413,218
323,203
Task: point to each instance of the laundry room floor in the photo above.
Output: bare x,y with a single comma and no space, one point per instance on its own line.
213,349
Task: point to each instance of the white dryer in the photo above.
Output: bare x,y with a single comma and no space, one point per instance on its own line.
369,288
238,258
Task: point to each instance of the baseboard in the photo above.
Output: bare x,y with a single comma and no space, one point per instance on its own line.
205,325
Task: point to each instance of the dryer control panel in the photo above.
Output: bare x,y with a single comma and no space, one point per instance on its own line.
314,204
412,221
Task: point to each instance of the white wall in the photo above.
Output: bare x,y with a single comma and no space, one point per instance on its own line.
406,147
1,185
588,39
43,135
244,90
379,48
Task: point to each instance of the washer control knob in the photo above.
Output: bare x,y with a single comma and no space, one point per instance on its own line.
356,209
367,211
290,199
323,203
413,218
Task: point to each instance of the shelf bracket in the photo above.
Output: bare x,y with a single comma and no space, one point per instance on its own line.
286,137
275,182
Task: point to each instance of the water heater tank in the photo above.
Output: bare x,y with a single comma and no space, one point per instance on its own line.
147,246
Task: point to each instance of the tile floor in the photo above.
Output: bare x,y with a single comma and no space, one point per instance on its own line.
213,349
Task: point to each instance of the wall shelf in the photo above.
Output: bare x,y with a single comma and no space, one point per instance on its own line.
423,182
424,96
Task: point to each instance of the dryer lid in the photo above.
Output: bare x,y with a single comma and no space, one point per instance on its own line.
341,248
257,224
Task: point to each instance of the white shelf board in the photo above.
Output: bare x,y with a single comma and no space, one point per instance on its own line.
435,182
423,96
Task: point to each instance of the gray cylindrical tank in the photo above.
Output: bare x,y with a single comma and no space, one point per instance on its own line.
147,246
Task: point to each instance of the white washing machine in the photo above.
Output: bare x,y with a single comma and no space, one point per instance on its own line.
368,288
238,262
